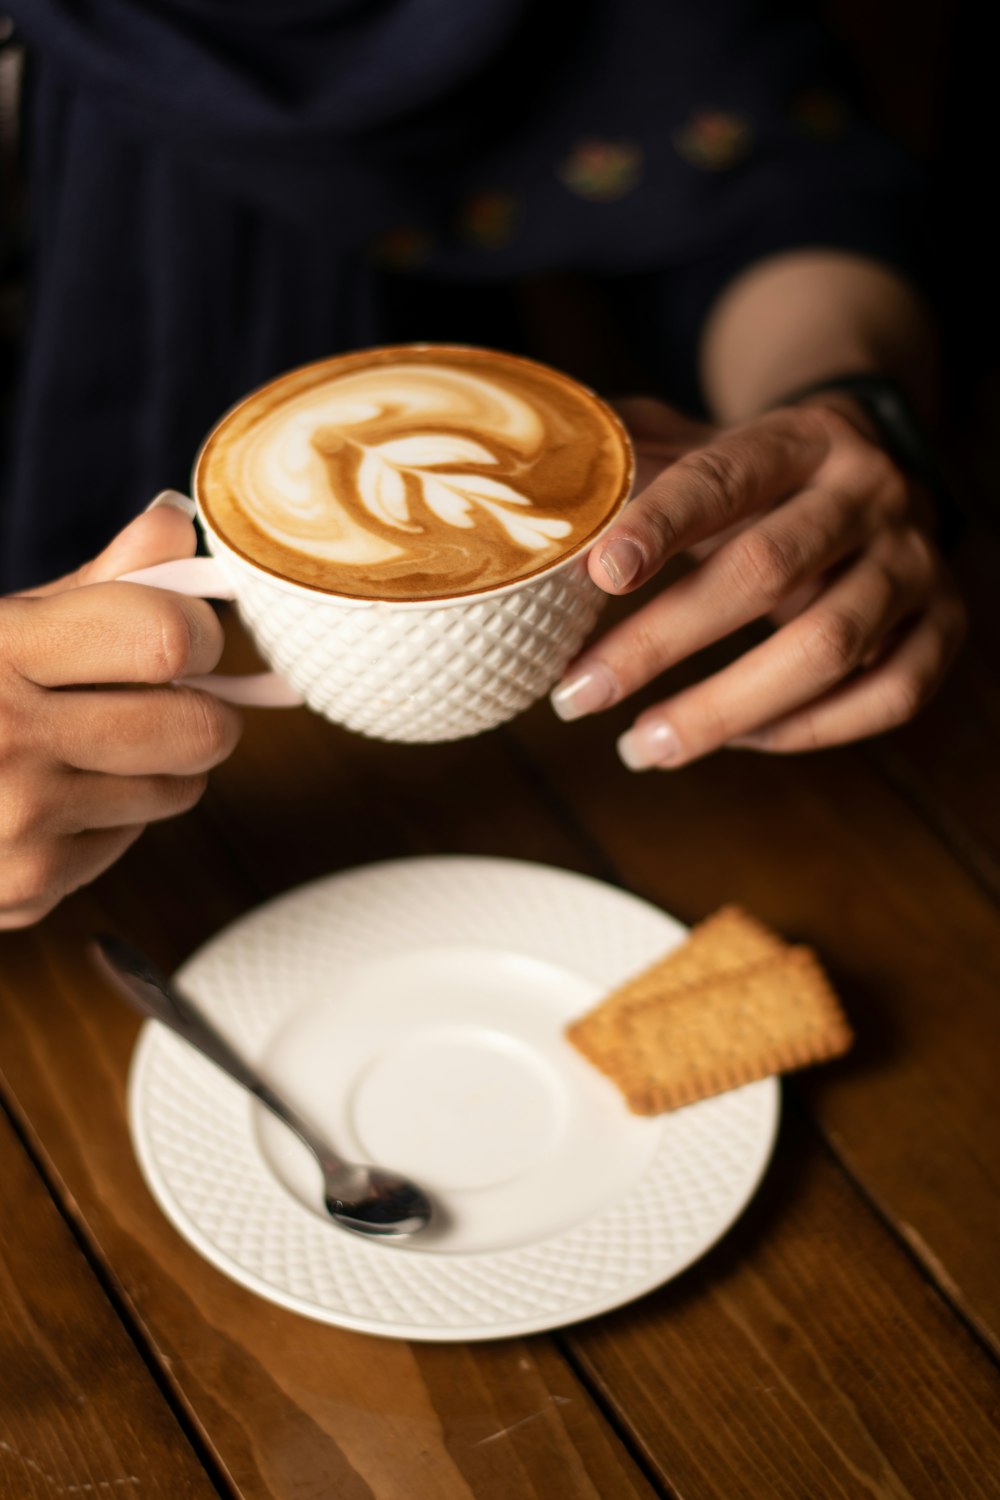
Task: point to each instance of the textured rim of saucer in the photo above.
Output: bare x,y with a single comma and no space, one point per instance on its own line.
177,1216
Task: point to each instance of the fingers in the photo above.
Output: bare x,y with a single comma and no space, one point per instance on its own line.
156,536
887,695
85,765
110,632
803,661
163,531
37,877
707,490
91,801
175,731
46,804
749,576
61,827
797,517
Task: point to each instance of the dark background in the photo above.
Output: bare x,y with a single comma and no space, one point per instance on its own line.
922,69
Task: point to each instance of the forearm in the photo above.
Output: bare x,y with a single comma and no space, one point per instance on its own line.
789,321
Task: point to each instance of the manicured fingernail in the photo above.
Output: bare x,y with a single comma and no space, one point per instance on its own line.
585,692
621,560
649,745
173,500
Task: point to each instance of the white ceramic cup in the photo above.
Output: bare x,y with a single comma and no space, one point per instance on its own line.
416,671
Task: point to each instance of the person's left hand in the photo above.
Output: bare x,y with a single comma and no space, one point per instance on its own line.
797,517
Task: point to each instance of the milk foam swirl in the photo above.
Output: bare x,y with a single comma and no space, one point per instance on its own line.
412,477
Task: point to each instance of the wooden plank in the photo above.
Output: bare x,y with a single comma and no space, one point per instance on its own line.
288,1407
824,850
947,762
843,1414
283,1400
818,845
803,1357
80,1413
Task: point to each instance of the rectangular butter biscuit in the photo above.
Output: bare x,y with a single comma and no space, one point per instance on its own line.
726,1031
724,943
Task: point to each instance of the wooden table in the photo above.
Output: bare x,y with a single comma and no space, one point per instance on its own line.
842,1339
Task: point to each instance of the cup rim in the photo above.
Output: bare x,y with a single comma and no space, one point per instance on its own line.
439,601
242,563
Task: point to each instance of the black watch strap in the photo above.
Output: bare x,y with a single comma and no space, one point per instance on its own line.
903,436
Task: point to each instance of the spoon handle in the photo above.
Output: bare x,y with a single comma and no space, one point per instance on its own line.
152,994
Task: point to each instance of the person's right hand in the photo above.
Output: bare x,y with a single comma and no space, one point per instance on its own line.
95,742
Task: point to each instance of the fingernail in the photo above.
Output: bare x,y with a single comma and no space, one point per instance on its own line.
621,560
585,692
649,745
173,500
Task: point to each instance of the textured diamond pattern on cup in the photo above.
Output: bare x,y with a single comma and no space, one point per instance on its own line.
194,1127
423,674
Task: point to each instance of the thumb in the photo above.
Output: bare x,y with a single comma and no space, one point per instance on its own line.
163,531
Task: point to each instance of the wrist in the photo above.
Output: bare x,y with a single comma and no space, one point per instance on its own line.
848,405
881,409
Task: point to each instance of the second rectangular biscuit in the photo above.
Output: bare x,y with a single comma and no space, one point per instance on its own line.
725,1032
724,943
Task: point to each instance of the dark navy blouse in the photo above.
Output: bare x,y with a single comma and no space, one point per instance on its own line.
221,189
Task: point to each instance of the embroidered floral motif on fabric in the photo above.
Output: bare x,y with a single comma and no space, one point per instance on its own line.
602,171
490,219
714,140
403,247
821,114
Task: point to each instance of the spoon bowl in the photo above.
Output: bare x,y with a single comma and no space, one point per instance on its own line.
365,1199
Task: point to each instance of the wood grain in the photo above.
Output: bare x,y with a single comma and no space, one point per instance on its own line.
824,851
486,796
947,762
288,1407
80,1413
821,847
810,1295
803,1357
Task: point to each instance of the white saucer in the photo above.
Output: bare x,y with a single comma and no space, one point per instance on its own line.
415,1010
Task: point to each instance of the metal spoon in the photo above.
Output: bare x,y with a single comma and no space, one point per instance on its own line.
365,1199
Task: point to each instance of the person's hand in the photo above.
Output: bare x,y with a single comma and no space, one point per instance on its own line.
797,517
94,742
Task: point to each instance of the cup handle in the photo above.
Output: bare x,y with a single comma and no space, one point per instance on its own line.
202,578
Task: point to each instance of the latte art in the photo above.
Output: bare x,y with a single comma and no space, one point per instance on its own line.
417,473
291,464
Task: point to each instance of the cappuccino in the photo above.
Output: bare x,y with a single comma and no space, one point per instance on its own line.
420,472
